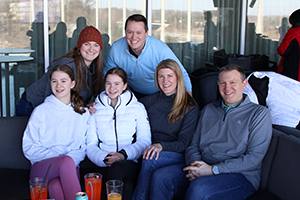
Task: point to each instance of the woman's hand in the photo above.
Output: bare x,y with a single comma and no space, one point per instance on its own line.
113,157
152,151
92,107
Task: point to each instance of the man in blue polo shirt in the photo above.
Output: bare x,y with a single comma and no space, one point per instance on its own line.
139,54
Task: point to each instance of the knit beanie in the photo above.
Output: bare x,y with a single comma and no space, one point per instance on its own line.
89,33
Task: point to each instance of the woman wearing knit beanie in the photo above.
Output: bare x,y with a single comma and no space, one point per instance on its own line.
86,61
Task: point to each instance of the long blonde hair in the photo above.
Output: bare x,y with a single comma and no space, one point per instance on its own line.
183,100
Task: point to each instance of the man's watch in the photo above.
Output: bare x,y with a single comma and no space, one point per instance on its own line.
215,170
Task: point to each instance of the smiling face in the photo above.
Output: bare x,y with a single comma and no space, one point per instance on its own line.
136,36
231,86
61,85
114,86
167,81
89,51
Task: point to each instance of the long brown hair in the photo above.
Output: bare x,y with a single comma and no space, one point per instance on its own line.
76,100
183,100
98,81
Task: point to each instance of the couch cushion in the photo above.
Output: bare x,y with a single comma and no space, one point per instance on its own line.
205,89
11,135
268,159
284,179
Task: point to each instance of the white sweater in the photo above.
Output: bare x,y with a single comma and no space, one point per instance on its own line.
55,129
112,129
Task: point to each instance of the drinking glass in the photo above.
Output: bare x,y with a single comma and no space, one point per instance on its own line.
93,185
38,188
114,189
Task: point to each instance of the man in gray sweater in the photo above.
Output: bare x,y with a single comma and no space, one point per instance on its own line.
225,157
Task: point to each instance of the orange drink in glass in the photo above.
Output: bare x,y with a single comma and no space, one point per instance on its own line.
93,185
38,188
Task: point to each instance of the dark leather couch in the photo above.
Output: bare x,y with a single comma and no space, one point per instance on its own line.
280,176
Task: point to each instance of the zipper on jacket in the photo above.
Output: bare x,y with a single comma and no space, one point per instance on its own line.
116,134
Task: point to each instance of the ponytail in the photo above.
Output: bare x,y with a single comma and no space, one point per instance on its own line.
77,102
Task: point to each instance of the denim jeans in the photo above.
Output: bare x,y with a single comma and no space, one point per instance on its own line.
223,186
170,182
149,168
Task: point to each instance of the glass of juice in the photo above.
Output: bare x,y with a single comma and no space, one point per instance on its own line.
93,185
114,189
38,188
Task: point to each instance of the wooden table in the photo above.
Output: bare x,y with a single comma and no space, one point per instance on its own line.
6,60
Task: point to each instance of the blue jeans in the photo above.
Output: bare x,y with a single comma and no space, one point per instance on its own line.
170,182
223,186
149,168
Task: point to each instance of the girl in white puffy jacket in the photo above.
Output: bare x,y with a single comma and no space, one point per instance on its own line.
119,132
54,139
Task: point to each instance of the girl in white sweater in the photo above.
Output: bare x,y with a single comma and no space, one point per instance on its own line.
119,132
54,139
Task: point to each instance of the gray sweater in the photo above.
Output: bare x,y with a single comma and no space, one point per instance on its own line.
235,142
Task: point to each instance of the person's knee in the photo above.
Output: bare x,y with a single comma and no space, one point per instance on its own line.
196,191
148,165
67,162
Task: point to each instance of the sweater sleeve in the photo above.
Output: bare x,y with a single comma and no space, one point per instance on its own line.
143,135
185,133
109,61
259,139
193,153
94,153
32,147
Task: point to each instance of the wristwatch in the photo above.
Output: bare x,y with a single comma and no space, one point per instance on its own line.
215,170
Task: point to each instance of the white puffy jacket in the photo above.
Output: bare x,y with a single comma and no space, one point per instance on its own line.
124,127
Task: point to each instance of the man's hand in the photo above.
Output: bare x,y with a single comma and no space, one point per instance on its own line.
152,151
197,169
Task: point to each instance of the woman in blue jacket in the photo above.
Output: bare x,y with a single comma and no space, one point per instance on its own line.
119,132
173,117
54,139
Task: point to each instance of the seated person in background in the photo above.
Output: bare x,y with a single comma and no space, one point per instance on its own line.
86,62
225,157
119,132
173,115
139,54
289,49
54,139
279,93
